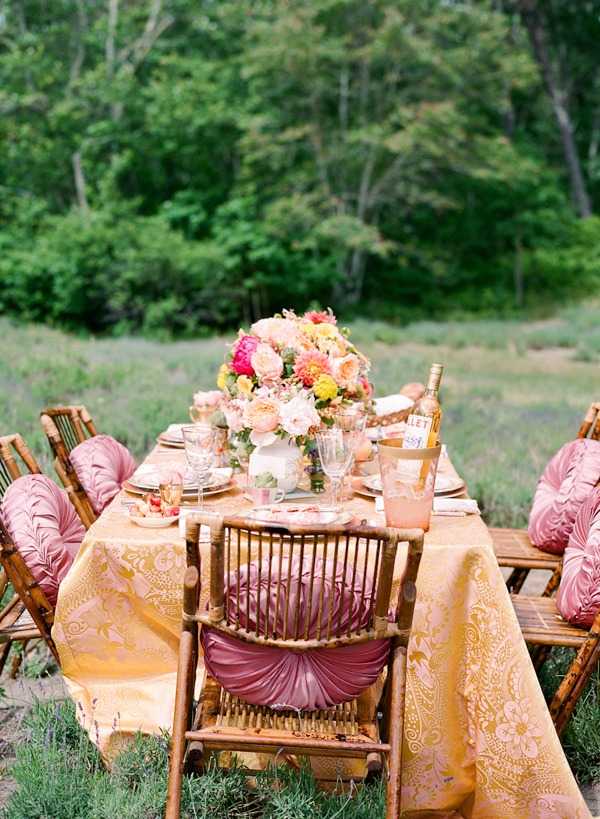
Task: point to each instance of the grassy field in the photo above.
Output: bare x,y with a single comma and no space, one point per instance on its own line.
512,394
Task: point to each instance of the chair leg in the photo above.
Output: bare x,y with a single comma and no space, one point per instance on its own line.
395,732
554,582
186,676
568,692
516,579
539,655
17,659
4,651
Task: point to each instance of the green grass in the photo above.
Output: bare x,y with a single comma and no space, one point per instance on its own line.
513,392
60,776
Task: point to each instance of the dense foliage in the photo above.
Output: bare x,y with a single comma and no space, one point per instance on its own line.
172,166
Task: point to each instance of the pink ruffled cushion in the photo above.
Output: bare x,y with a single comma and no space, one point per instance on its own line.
44,527
277,677
565,483
102,464
578,598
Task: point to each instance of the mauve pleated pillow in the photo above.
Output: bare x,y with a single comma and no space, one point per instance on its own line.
102,464
578,598
565,483
44,527
278,677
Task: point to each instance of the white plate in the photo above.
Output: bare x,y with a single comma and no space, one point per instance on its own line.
189,495
443,483
300,514
147,477
153,523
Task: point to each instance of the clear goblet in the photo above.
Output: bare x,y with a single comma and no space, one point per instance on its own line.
352,421
200,443
335,451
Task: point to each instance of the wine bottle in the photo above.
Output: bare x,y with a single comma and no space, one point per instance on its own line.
423,423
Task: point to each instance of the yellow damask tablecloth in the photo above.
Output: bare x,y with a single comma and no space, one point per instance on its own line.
479,741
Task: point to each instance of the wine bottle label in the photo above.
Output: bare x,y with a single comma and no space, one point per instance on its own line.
416,434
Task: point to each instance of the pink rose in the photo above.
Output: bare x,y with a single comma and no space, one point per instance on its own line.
346,371
242,355
268,365
262,414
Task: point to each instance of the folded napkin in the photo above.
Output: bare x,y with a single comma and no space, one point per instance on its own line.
444,506
388,404
174,431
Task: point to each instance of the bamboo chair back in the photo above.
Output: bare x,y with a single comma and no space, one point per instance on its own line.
28,590
65,428
364,555
11,446
16,460
590,426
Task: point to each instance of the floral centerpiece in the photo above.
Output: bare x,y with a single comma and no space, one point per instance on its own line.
287,376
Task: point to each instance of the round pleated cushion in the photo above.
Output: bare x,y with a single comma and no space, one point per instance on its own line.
102,464
280,678
578,598
566,482
44,527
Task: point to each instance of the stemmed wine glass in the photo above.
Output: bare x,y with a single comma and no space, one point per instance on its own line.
336,449
200,440
353,421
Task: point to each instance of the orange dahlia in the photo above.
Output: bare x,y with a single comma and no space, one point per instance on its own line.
310,365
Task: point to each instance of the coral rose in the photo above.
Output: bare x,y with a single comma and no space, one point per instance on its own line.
310,365
243,351
346,371
267,364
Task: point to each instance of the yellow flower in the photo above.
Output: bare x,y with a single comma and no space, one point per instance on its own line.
244,385
325,388
222,376
325,330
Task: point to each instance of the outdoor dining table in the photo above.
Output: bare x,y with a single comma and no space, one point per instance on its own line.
478,742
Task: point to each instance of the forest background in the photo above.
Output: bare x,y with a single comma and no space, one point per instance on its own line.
179,167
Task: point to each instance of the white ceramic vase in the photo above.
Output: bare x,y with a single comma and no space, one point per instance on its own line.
283,459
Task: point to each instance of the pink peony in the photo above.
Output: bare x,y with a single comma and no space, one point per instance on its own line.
346,371
242,355
281,332
299,415
321,316
262,414
310,365
268,365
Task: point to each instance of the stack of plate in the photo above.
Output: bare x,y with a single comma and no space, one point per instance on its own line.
172,436
446,486
147,479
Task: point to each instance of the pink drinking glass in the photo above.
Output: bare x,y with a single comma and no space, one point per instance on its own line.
408,483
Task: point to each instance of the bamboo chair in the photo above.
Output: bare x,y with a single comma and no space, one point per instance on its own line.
222,722
542,628
514,549
16,626
65,427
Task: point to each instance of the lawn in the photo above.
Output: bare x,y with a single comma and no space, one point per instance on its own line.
513,392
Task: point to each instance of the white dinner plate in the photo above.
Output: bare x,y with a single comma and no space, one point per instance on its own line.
300,514
443,483
153,523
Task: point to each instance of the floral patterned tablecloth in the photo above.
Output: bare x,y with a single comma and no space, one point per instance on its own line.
479,741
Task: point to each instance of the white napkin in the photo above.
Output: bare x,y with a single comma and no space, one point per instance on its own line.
388,404
456,507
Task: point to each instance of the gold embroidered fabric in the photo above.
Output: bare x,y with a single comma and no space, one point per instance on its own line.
479,741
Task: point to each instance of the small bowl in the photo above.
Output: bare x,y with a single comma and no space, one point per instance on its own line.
154,523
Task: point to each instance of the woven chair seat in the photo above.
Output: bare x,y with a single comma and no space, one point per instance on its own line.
514,549
541,623
21,628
